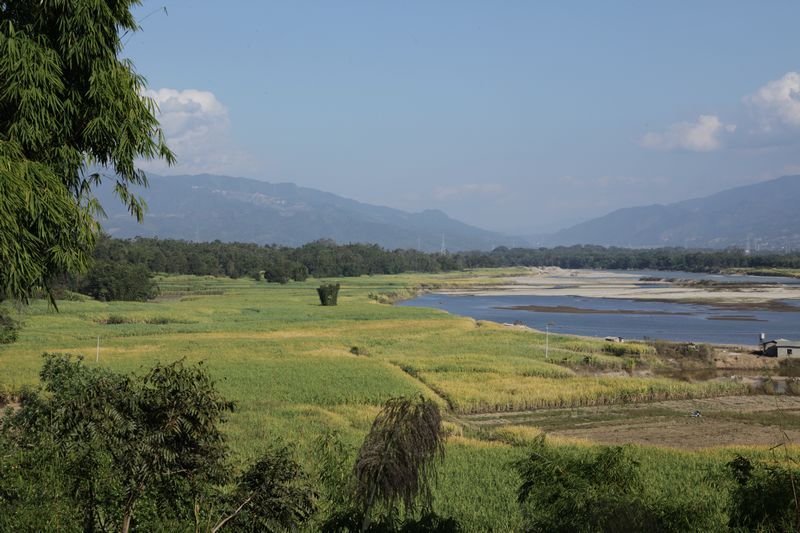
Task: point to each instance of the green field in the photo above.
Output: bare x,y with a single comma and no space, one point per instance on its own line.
297,369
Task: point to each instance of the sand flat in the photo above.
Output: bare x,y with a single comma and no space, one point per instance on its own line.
554,281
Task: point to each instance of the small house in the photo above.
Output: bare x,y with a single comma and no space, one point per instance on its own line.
780,348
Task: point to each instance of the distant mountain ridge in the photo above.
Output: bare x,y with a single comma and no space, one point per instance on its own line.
764,214
208,207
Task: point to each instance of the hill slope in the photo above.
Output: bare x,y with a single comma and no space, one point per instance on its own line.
766,213
207,208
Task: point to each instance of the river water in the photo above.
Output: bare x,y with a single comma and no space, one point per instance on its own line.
630,319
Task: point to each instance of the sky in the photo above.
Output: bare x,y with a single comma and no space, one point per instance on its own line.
516,116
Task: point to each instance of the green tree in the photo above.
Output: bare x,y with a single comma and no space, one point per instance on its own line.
274,494
68,104
117,281
119,439
96,450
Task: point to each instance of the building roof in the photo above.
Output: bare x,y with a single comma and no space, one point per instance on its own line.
783,342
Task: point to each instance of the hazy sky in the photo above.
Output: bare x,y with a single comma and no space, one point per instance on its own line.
517,116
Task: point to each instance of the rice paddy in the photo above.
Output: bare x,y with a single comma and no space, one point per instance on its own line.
297,369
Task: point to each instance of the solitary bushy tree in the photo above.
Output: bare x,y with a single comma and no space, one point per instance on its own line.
328,294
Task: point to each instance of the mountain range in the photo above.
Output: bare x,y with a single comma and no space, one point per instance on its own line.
206,208
763,214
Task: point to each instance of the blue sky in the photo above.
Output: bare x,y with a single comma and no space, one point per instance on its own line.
516,116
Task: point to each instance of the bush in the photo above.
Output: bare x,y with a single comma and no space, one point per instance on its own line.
763,498
277,493
768,385
627,348
108,281
563,493
601,489
351,520
679,350
118,319
9,328
328,294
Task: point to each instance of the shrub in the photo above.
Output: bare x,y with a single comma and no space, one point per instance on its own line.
627,348
108,281
763,498
118,319
678,350
790,367
276,494
563,493
9,328
328,294
601,489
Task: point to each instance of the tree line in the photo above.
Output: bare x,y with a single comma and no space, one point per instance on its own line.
122,268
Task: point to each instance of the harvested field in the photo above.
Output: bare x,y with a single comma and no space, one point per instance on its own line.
724,421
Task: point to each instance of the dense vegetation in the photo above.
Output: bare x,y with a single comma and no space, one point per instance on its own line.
327,259
97,450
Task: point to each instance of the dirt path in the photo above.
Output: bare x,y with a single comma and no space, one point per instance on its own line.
725,421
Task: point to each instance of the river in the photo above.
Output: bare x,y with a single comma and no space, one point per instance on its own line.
629,318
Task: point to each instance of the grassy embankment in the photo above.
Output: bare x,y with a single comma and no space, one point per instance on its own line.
297,369
784,272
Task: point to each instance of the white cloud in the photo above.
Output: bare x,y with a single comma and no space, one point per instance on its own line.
700,136
197,127
778,100
467,189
